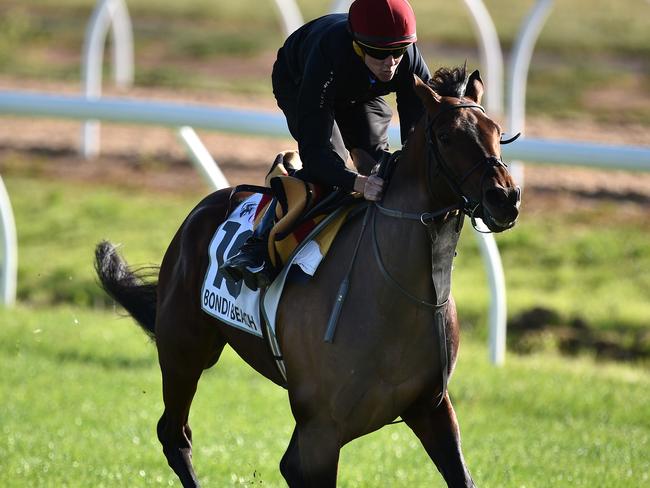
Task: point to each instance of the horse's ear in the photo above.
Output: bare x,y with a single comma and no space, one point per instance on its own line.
474,90
428,96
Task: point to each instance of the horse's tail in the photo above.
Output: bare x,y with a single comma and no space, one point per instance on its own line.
127,287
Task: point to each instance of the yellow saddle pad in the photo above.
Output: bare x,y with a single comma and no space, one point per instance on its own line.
294,198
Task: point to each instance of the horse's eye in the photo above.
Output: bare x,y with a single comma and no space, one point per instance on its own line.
444,138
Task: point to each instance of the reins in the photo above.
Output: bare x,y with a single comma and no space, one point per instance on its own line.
435,161
345,285
428,223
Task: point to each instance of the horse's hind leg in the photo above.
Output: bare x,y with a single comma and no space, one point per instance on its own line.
183,353
438,431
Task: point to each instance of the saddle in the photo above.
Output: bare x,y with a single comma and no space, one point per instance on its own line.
299,207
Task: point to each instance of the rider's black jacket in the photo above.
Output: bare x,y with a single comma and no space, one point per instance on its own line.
318,67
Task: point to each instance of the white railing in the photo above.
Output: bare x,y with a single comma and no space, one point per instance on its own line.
8,249
242,121
290,15
490,55
113,14
522,53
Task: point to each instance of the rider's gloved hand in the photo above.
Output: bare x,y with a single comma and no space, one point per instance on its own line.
371,187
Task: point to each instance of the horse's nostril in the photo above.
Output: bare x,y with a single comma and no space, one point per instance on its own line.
515,196
497,197
503,197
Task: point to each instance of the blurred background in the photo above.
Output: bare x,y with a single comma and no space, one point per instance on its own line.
80,387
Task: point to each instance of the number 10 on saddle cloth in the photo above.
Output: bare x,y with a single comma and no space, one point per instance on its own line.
234,303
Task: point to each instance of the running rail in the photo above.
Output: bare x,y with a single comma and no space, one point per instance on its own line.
522,53
115,14
241,121
490,55
8,249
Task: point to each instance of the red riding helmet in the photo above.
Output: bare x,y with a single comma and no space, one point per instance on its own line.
382,23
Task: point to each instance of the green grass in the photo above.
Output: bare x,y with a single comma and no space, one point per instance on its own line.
574,24
584,263
81,397
58,225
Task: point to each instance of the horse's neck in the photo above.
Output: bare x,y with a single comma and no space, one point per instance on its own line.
409,190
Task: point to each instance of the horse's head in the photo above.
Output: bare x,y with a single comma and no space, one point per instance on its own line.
463,149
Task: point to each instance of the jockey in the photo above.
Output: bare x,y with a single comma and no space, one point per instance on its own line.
329,79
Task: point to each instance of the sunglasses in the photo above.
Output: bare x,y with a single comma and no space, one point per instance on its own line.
383,52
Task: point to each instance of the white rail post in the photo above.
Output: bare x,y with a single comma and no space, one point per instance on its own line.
491,56
122,29
340,6
518,73
492,66
8,250
498,305
202,159
290,15
107,14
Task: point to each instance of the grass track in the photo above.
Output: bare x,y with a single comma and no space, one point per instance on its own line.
81,396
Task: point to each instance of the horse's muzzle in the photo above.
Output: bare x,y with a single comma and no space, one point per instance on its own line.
501,207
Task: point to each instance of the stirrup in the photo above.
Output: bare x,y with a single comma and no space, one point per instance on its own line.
230,273
249,265
257,277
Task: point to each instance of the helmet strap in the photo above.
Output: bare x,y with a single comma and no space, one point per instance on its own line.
358,50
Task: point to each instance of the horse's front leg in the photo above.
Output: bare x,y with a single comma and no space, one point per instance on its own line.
312,457
438,431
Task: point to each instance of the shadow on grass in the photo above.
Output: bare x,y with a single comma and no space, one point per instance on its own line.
105,362
63,356
541,328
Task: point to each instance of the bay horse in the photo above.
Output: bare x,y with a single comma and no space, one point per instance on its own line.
397,334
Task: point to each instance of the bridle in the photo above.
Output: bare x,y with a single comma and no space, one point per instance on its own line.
435,165
466,206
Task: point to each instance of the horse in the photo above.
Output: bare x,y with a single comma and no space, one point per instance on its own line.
397,331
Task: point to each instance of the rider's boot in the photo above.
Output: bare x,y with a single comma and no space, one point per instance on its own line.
252,262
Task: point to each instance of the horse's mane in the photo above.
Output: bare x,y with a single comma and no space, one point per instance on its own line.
450,82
